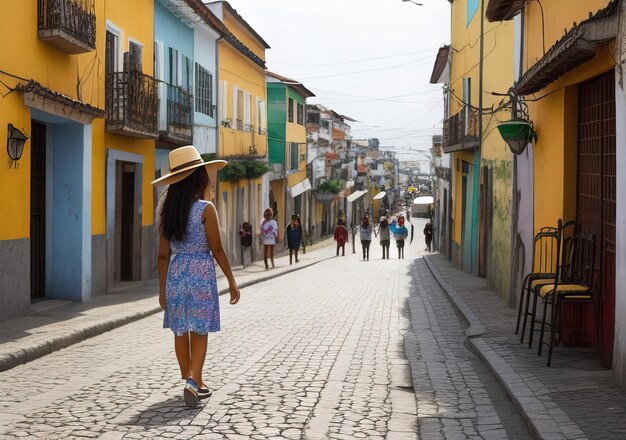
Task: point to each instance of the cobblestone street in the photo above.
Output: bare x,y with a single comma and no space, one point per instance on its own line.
342,349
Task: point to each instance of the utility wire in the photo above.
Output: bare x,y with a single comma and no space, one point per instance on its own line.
353,61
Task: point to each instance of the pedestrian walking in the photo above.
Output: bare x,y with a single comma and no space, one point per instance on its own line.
428,235
383,231
400,233
269,235
293,232
365,234
341,236
189,241
245,240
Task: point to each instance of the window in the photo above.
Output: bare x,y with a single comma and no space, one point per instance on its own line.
294,155
204,91
325,123
135,53
186,74
313,118
300,114
290,110
110,57
261,117
240,111
173,66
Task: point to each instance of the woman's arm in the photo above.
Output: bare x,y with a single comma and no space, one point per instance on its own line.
164,261
212,229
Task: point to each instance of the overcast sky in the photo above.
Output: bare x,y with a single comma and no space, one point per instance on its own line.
370,60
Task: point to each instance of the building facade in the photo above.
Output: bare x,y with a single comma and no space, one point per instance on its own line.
242,138
79,196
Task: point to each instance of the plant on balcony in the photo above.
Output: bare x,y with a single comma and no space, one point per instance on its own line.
233,172
241,167
255,168
330,186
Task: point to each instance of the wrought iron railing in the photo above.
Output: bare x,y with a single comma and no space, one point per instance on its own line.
132,103
77,18
179,114
461,130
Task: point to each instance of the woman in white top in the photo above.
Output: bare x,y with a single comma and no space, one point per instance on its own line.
269,235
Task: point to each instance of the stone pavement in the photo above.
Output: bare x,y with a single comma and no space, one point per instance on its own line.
574,399
55,324
342,349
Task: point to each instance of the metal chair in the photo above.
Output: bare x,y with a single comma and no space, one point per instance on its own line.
543,266
573,285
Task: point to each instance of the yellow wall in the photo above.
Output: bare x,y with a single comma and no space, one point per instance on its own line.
136,21
244,35
237,70
555,114
278,188
79,77
557,16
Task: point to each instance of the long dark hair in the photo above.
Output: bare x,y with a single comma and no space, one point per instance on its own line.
177,206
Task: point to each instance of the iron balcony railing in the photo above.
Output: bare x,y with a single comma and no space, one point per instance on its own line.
69,25
132,104
179,114
460,131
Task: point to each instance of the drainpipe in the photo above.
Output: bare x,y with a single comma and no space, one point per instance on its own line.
477,167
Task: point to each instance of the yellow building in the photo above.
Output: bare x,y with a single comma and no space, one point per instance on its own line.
480,60
242,135
570,90
79,177
287,144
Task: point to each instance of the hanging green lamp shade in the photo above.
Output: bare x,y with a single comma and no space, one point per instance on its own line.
517,133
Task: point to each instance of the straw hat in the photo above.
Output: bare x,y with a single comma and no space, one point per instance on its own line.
183,162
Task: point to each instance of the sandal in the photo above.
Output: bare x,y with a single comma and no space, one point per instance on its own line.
190,393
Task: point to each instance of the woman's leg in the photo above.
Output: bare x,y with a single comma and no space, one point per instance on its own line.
198,354
367,248
343,250
363,247
272,254
265,255
296,252
181,346
338,246
290,256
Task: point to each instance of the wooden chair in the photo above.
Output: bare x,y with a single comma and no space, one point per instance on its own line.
543,269
574,285
565,231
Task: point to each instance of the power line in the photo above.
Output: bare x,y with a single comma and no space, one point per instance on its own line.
353,61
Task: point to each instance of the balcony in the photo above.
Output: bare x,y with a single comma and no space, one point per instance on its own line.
460,132
69,25
132,105
179,127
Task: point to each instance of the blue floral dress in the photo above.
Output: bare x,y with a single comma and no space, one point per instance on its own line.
192,301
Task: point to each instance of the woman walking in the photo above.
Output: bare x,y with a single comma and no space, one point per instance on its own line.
428,235
400,233
189,241
341,237
365,234
383,231
269,235
293,231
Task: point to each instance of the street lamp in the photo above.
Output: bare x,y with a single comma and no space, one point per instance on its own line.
411,1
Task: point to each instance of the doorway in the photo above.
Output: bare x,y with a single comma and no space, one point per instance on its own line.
127,219
596,195
38,211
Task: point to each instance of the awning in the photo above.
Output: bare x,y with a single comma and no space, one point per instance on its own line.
579,45
424,200
49,101
299,188
380,195
498,10
356,195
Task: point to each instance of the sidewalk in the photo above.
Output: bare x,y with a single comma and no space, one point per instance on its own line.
574,399
56,324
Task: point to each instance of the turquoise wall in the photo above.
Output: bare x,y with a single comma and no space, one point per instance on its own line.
276,122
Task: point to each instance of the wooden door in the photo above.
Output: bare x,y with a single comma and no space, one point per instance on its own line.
596,198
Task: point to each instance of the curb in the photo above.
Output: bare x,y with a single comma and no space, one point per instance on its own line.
74,336
476,327
532,409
